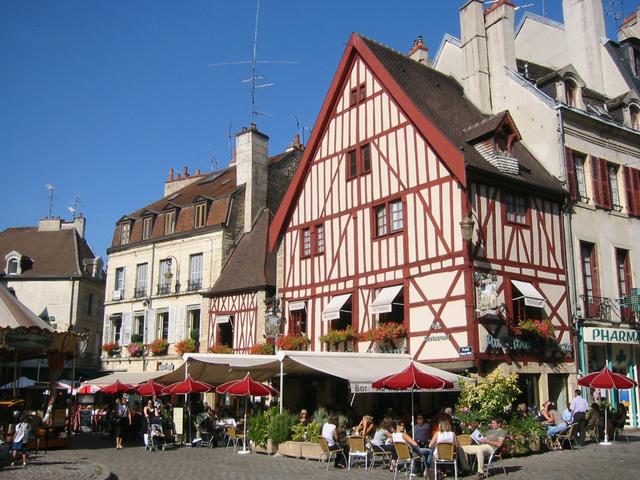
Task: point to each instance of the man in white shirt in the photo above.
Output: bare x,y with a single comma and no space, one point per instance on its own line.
579,407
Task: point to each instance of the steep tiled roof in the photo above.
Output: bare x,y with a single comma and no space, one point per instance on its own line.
57,253
250,265
441,99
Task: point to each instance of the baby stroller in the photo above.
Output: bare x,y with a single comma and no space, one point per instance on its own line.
155,439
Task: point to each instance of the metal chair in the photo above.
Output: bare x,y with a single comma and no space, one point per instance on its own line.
357,450
404,455
326,451
464,440
569,435
233,437
445,455
496,455
619,430
378,452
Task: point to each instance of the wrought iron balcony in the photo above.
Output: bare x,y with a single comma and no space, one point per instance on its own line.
140,292
606,309
164,289
193,285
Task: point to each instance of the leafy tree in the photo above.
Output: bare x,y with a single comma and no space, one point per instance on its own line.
490,396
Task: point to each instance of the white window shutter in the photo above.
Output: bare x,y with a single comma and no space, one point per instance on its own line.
126,328
120,330
171,337
151,326
180,330
106,330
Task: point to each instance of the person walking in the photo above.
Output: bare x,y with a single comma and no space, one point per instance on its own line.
20,439
579,407
122,421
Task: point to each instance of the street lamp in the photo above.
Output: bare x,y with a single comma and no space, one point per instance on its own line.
466,225
168,275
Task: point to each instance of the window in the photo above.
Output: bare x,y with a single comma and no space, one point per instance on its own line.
576,182
169,222
590,281
570,93
352,160
116,328
365,156
141,281
580,176
353,98
306,242
12,266
389,218
634,117
164,280
163,325
195,272
632,187
363,92
319,239
601,185
623,273
90,304
193,318
118,288
613,186
125,233
516,208
147,227
358,94
201,215
138,326
298,322
225,333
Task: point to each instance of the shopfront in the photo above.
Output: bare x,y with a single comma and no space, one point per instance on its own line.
616,348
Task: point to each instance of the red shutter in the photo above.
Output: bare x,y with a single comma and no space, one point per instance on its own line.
595,173
628,187
635,181
595,280
605,186
572,186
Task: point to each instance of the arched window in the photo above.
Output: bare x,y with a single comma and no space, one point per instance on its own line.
12,266
634,115
571,93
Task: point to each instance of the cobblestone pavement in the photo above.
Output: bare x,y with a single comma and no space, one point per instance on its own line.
619,461
53,466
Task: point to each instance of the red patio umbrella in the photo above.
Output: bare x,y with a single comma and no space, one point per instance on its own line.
243,388
117,387
86,389
607,379
149,388
411,378
188,385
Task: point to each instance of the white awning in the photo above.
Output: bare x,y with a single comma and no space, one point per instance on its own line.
532,297
332,310
384,301
132,378
293,306
222,319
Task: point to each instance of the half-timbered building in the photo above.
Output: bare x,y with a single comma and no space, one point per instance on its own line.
417,224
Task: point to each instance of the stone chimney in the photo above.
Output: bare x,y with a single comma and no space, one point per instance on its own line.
252,151
57,224
630,27
176,182
474,47
419,52
501,50
584,29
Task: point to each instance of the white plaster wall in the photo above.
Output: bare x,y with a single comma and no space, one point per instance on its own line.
542,44
50,297
450,61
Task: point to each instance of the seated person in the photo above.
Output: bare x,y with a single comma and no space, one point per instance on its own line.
382,437
421,431
366,427
567,416
619,418
494,439
401,436
303,418
331,433
557,425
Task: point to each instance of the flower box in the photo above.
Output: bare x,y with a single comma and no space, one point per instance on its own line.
219,348
263,349
310,450
186,346
292,342
135,349
541,328
159,347
111,349
290,449
270,449
384,332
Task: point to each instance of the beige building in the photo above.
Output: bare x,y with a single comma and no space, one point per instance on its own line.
165,255
54,272
574,95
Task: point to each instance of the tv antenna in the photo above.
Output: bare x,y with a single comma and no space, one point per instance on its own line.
73,208
491,2
230,140
301,129
51,188
213,161
255,77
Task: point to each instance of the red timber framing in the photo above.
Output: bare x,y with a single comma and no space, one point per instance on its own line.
414,162
244,309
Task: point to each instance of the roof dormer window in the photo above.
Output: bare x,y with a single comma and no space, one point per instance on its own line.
125,233
634,117
13,263
570,93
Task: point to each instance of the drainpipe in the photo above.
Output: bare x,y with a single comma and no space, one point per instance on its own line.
578,345
147,306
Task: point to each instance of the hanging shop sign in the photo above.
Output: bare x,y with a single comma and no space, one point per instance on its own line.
610,335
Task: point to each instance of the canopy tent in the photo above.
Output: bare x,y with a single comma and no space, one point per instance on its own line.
532,297
132,378
14,314
21,382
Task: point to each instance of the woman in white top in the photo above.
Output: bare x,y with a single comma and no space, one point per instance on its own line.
444,435
381,435
331,434
401,436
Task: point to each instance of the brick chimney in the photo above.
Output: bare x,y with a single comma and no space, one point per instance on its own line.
474,47
630,27
419,52
176,182
251,155
584,28
501,50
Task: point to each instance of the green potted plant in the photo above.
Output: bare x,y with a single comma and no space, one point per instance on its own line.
111,348
159,347
335,339
292,342
280,433
258,432
186,346
135,349
263,349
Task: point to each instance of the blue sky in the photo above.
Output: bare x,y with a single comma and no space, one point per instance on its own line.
101,98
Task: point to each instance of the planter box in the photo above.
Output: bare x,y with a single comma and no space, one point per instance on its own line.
311,451
269,450
290,449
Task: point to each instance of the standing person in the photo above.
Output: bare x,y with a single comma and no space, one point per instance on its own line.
122,420
579,407
494,439
331,433
20,439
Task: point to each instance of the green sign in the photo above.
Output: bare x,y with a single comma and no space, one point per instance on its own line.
610,335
